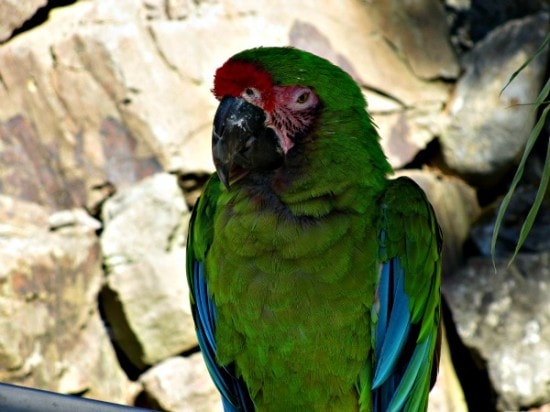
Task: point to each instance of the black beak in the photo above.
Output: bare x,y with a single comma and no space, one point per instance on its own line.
241,142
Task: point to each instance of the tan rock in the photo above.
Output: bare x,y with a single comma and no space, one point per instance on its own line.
60,119
404,132
488,126
147,298
418,31
51,334
181,384
14,13
91,368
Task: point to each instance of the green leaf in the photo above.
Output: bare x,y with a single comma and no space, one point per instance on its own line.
517,177
539,51
530,219
533,136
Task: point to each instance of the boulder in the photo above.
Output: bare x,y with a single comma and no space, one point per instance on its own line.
51,333
488,127
503,314
181,384
410,27
14,13
62,117
471,21
146,298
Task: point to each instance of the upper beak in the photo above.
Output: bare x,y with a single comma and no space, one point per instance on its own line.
241,142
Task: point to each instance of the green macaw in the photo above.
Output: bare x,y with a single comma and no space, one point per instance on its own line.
314,279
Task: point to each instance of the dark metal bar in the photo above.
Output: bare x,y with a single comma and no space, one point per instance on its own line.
20,399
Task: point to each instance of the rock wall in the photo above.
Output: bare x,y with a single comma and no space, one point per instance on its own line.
105,121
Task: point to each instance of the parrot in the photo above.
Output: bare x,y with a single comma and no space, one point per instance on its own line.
314,275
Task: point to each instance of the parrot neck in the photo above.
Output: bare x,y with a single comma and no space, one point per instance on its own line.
316,180
340,165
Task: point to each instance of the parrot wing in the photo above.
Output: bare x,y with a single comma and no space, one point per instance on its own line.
405,329
234,393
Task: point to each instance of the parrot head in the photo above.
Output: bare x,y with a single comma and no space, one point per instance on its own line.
271,101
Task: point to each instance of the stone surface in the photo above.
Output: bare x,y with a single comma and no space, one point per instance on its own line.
504,316
471,21
14,13
146,299
404,132
49,319
409,27
181,384
91,368
488,129
72,217
62,118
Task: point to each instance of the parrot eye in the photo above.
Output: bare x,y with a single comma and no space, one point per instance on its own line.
251,93
303,98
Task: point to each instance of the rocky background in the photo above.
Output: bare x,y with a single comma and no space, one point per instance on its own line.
105,118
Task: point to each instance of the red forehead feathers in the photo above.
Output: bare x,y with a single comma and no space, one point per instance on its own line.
235,76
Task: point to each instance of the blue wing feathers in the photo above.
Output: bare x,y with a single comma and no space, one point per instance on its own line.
234,394
415,367
395,335
205,307
402,360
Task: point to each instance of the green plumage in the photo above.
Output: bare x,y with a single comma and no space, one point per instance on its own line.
292,257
